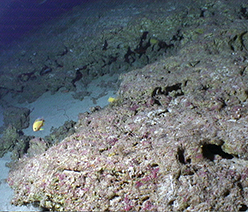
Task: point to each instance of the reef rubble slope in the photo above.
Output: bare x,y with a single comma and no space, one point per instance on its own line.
175,139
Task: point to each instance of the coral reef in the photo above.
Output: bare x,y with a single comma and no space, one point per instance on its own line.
175,139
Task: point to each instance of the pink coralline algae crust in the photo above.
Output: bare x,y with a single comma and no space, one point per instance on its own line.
175,140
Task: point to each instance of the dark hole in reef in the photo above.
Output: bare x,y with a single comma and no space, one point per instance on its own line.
188,160
129,56
240,186
166,91
226,193
113,196
243,207
176,87
145,198
26,147
246,92
180,155
210,150
244,12
172,88
157,91
171,202
78,76
43,209
154,165
178,36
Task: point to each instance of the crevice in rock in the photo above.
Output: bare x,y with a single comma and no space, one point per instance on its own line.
78,76
177,88
180,155
243,207
243,13
210,150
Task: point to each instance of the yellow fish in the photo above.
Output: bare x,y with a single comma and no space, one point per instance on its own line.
111,99
38,123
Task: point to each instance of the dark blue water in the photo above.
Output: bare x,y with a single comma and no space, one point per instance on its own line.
17,17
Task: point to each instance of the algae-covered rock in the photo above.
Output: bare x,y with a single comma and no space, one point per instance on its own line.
15,141
8,139
16,117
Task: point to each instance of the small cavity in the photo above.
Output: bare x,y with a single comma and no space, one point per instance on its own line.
243,207
180,155
210,150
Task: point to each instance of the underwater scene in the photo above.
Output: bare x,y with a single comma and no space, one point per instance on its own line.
123,105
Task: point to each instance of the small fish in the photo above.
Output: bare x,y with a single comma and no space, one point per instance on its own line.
111,99
38,123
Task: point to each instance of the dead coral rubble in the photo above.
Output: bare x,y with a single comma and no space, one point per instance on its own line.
175,140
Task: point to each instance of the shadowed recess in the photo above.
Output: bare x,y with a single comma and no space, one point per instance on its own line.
210,150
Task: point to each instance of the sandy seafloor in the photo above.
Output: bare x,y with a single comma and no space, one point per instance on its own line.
55,109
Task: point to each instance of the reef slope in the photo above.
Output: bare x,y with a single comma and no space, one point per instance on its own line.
175,139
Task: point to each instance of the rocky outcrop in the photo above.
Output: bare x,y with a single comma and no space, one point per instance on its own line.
116,38
16,117
175,139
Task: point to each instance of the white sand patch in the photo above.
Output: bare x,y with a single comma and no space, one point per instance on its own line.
60,107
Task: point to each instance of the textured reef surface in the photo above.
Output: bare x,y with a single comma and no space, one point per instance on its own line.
175,138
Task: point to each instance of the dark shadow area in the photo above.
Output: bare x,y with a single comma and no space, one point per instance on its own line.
210,150
243,207
180,156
